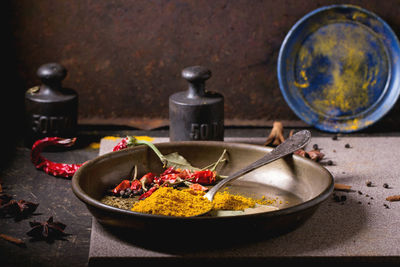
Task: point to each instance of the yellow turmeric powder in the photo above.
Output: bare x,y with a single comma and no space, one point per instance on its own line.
227,201
172,202
187,202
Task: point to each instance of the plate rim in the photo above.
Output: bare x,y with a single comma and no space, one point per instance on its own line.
335,124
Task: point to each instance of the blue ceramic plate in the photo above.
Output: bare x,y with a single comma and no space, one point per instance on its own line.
339,68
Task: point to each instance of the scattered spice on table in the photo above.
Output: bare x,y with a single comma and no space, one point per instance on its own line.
14,240
48,230
18,209
341,199
275,137
342,187
56,169
314,155
393,198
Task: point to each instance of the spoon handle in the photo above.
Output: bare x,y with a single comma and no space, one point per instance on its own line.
292,144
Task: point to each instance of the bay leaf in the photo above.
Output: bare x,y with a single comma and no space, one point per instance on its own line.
178,161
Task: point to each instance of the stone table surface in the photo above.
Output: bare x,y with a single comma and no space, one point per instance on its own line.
363,228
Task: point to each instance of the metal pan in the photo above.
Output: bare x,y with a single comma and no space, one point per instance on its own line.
297,184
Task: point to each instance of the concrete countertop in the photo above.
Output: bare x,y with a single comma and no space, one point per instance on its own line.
363,228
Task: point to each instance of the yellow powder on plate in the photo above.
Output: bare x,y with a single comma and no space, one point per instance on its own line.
172,202
187,202
227,201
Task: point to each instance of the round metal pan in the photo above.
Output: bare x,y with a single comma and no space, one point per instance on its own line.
298,185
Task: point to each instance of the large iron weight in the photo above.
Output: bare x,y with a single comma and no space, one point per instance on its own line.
196,114
50,109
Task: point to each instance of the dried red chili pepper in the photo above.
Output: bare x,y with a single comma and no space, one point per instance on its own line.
122,186
198,187
148,193
146,180
136,185
205,177
170,170
50,167
122,144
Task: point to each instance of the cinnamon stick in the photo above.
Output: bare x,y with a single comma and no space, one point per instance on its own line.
14,240
342,187
393,198
275,137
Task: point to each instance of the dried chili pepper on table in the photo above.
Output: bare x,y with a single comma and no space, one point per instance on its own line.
50,167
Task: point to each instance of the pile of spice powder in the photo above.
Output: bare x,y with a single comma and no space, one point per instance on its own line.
227,201
172,202
187,202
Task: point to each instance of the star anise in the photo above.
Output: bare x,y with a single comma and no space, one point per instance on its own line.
314,155
48,230
275,137
18,209
4,198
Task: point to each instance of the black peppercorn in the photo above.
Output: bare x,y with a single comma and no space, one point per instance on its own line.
347,145
122,192
336,198
385,185
368,183
335,137
330,162
315,146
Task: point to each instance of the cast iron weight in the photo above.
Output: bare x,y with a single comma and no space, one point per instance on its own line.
196,114
50,109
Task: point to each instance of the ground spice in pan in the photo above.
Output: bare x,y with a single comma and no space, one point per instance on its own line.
188,202
227,201
118,202
172,202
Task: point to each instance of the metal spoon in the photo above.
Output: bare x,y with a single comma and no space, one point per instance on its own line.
290,145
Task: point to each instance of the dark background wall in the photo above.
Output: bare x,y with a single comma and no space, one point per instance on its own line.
125,57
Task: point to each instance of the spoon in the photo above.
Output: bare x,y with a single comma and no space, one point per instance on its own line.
290,145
